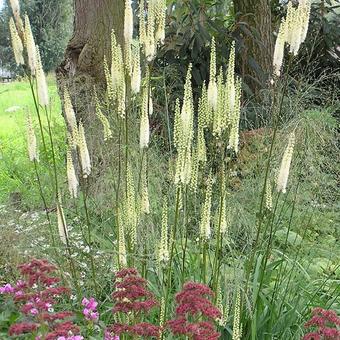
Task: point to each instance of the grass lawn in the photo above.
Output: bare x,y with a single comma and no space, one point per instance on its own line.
16,172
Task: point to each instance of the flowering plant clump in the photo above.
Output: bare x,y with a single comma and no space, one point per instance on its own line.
131,299
90,310
326,325
193,301
36,296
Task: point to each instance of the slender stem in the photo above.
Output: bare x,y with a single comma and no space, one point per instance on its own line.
290,274
204,271
89,234
167,113
171,254
53,154
184,246
217,260
144,154
278,278
144,262
119,161
126,151
37,109
35,101
68,248
276,120
45,206
57,198
217,249
36,105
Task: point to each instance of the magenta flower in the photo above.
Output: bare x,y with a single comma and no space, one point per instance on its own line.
34,311
21,284
90,314
90,304
90,311
7,289
109,336
19,293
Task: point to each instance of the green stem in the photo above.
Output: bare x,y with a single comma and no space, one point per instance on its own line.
73,268
126,151
89,233
168,288
184,246
53,154
204,271
278,278
217,249
45,207
276,120
36,105
167,113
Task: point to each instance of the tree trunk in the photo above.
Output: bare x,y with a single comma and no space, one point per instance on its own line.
256,61
82,67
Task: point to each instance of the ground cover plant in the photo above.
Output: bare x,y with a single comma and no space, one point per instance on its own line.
212,232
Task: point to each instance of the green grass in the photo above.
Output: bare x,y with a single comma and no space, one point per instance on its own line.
16,172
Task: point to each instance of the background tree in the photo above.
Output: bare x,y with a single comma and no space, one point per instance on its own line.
52,26
255,23
51,23
82,67
6,54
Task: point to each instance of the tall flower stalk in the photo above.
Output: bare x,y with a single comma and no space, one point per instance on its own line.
282,177
163,253
183,133
16,43
85,167
205,225
293,37
40,95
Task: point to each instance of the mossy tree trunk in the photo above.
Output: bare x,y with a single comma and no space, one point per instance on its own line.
256,61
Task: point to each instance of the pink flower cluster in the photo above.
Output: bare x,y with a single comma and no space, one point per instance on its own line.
7,289
38,294
109,336
90,310
132,297
326,323
193,301
36,297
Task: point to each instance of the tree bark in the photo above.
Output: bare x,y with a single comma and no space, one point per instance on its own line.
82,67
256,61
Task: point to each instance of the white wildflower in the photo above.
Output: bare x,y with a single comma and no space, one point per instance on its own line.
41,82
30,46
62,227
84,152
128,21
31,141
71,175
282,177
16,43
